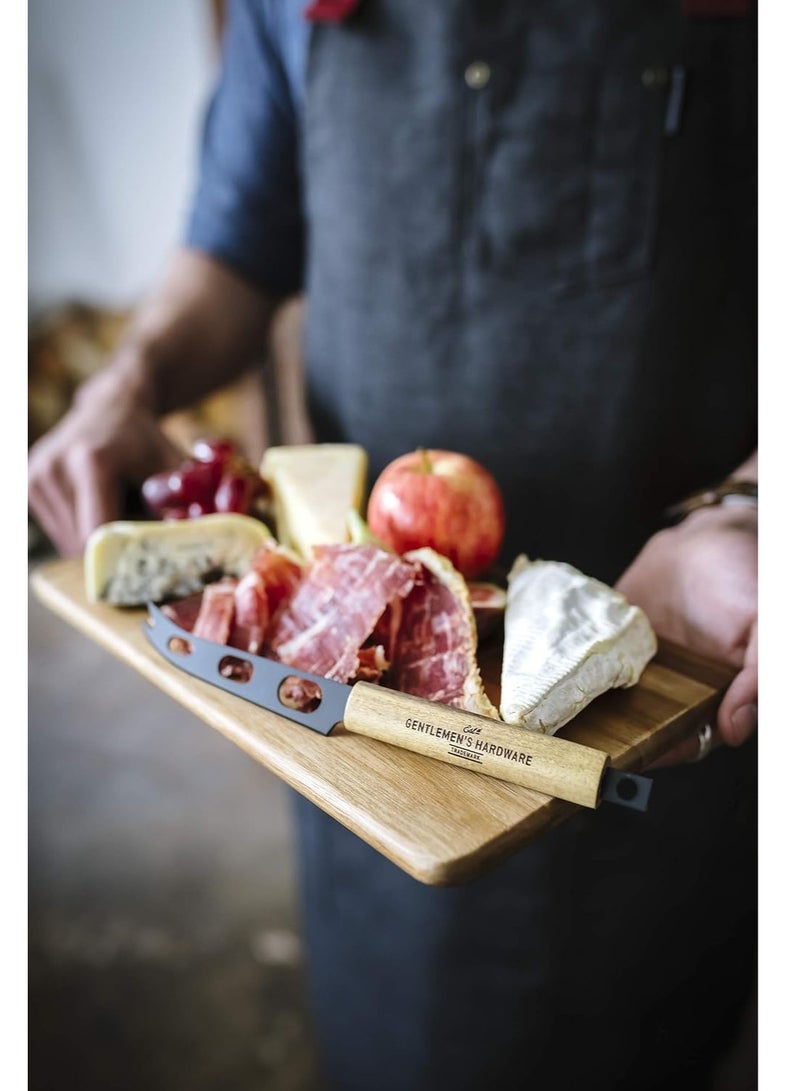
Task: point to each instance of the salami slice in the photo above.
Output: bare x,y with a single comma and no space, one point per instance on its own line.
435,650
336,606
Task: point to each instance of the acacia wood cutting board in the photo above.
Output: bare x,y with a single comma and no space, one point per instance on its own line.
439,823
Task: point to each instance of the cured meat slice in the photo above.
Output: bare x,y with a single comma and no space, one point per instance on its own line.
388,627
372,663
184,611
336,606
435,651
280,571
251,613
215,618
273,575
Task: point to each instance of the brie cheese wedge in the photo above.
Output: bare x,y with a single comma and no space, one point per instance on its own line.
568,638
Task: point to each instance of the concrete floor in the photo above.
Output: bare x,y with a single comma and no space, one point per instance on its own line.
163,945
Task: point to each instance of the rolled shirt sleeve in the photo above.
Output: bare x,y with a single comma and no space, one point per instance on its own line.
247,208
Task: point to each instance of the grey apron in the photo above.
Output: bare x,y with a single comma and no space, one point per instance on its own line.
531,238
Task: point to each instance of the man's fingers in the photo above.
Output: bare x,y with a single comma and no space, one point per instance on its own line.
169,455
97,499
691,749
737,718
51,501
683,752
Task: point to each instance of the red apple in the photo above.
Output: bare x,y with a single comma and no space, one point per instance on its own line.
441,499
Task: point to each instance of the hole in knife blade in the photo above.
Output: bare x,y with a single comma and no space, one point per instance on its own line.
179,646
299,694
237,670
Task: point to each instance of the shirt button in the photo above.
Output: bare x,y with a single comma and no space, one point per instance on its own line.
476,75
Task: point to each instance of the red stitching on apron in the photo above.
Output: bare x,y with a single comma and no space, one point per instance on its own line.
717,9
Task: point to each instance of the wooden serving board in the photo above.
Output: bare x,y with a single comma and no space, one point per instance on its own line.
439,823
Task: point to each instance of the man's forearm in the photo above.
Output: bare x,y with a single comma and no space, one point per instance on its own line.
200,329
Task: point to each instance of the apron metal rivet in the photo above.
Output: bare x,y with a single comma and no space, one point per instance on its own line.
476,75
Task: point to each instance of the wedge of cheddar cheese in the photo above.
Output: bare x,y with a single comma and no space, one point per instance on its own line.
128,563
314,487
568,638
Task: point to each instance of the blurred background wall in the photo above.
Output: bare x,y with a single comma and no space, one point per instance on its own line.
116,94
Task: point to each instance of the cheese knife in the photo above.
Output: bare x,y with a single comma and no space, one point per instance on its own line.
566,770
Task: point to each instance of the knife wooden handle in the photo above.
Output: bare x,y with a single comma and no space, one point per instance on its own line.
556,767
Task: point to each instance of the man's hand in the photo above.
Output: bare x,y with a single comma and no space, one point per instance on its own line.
202,327
75,472
698,584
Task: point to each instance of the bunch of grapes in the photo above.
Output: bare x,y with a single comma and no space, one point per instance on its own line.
216,478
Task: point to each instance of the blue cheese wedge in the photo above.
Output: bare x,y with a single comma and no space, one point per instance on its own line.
128,563
568,638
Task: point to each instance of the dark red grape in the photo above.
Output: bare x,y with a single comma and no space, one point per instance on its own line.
213,450
194,482
157,492
235,493
216,478
197,508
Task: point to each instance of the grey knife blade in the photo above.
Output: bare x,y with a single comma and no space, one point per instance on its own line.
204,659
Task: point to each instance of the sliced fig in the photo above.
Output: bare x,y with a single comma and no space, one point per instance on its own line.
488,602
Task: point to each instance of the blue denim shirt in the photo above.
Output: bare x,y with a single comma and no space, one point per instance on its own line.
247,206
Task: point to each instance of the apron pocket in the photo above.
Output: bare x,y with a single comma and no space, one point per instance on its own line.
625,173
572,177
